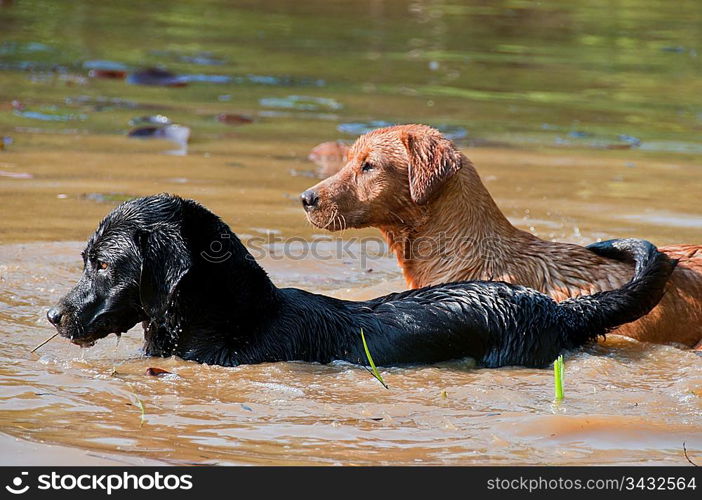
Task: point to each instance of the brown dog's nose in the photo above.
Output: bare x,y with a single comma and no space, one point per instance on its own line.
309,199
54,316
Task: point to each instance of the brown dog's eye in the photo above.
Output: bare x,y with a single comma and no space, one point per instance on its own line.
366,167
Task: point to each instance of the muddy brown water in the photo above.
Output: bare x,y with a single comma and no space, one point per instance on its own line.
557,154
625,402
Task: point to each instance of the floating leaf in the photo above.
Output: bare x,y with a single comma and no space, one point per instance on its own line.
157,372
109,74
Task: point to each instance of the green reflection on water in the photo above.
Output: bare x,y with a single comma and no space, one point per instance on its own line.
578,73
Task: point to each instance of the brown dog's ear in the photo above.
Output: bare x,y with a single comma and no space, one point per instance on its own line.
433,159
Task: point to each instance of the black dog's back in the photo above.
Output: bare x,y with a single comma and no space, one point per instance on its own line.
226,311
496,323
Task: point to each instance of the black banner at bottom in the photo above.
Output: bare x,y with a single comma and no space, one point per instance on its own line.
366,482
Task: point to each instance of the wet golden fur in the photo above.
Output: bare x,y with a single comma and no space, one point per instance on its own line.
439,219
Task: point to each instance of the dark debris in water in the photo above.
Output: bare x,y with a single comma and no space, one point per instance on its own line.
106,69
108,74
180,134
234,119
144,131
156,77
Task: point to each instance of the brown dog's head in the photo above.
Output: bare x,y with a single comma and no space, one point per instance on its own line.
389,173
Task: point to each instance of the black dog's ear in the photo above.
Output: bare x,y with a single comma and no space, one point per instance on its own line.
165,259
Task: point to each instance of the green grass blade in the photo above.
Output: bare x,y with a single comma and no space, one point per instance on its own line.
558,369
141,407
374,370
139,404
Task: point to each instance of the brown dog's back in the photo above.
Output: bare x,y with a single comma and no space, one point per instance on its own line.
421,192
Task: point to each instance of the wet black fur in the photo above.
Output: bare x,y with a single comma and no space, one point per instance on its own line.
178,268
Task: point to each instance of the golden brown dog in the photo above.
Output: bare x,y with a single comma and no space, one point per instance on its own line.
427,199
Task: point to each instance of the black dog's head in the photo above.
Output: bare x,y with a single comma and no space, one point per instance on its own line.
132,265
170,263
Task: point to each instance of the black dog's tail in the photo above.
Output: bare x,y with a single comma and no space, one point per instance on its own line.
601,312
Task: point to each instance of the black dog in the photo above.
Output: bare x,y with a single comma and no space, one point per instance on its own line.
152,260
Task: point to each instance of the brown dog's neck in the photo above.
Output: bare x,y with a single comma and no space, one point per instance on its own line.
463,235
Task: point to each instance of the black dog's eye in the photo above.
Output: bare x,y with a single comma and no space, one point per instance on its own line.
102,265
367,167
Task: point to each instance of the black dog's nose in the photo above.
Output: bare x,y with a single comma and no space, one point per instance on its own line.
309,199
54,316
